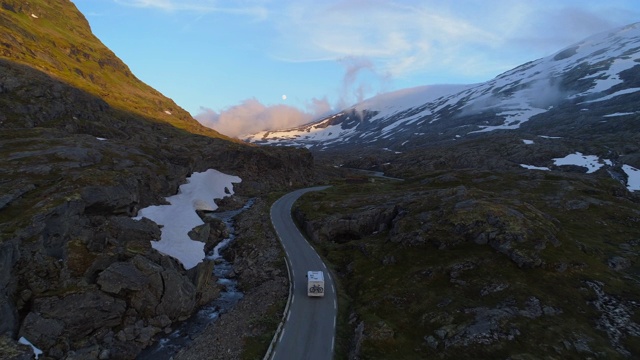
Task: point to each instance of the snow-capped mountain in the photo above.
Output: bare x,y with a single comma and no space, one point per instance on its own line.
595,80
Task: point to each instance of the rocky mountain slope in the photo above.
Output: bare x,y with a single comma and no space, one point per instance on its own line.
476,263
83,146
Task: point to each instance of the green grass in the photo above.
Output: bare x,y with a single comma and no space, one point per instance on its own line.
255,347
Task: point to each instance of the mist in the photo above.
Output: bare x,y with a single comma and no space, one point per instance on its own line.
352,90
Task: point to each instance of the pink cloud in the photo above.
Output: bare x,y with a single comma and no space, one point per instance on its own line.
251,116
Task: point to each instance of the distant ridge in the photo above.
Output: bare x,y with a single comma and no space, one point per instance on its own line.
596,77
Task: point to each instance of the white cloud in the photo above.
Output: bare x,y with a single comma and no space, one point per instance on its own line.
398,38
402,38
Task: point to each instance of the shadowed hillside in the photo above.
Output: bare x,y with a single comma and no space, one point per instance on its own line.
83,146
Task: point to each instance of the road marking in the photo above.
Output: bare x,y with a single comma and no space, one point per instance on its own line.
285,200
334,304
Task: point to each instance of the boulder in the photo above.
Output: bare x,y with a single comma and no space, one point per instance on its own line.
167,290
619,263
146,300
179,296
59,225
343,228
200,233
79,314
134,236
41,331
110,200
121,276
205,281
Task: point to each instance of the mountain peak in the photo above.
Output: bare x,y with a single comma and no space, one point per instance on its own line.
599,71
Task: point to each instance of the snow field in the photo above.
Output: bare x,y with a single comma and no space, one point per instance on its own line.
180,217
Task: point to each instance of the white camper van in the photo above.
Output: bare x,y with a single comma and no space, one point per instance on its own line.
315,283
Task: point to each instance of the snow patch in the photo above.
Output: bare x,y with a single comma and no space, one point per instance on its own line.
591,162
531,167
180,217
512,119
633,174
620,114
36,352
611,96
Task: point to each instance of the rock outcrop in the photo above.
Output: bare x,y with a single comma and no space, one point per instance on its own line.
344,227
515,229
490,263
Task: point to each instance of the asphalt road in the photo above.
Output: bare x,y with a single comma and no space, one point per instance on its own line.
310,327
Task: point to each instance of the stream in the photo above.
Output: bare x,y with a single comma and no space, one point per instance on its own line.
167,346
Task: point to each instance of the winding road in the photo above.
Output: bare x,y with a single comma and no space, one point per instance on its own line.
309,330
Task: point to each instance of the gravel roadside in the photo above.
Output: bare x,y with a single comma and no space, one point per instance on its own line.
258,265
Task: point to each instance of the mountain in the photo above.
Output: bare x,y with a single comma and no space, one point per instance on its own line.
510,227
84,145
592,84
54,37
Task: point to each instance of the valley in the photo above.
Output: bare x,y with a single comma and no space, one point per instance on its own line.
506,224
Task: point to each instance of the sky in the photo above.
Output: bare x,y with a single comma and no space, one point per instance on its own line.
243,66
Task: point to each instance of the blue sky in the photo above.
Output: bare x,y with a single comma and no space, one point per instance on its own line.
247,65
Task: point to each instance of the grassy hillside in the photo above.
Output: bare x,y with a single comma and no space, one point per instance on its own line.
54,37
